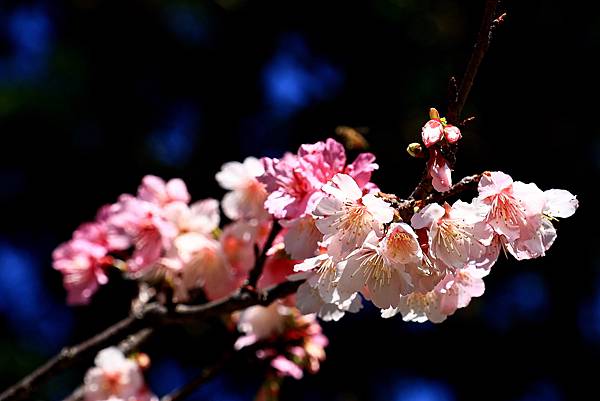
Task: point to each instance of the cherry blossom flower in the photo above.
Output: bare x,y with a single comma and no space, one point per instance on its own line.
294,182
238,240
319,293
150,232
201,217
115,378
83,265
154,190
515,207
205,266
379,269
453,292
247,195
457,234
299,338
309,300
348,216
301,237
535,243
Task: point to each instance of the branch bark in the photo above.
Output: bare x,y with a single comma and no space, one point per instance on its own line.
150,316
458,94
261,257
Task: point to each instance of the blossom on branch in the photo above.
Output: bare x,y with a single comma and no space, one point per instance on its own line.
115,378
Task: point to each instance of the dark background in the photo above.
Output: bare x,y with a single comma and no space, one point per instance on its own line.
94,95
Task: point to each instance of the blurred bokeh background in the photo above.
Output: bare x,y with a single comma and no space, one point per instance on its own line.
95,94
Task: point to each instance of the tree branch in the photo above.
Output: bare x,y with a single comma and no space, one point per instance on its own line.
261,257
149,316
458,94
479,50
126,346
71,355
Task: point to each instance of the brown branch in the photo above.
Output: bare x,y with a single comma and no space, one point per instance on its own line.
70,355
150,315
479,50
239,300
126,346
467,183
406,207
261,257
458,94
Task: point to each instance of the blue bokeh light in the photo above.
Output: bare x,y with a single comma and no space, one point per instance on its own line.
29,30
420,389
294,78
173,144
522,297
29,309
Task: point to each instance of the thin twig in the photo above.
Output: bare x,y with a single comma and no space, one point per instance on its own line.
151,315
467,183
406,207
458,97
479,50
126,346
70,355
261,257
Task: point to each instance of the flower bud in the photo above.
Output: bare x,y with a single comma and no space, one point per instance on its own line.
433,114
415,150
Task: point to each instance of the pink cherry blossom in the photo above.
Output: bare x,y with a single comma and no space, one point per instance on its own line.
361,170
535,242
379,270
457,234
301,237
238,240
439,171
205,266
247,195
103,234
261,322
455,291
278,266
150,232
153,189
515,207
82,264
295,181
348,216
301,343
309,300
201,217
115,378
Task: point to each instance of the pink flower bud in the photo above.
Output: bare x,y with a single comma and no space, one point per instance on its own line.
432,132
452,133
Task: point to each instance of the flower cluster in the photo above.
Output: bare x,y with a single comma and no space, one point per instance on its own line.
291,342
343,238
116,378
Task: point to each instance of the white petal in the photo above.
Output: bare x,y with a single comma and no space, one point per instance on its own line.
560,203
380,209
348,186
427,216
